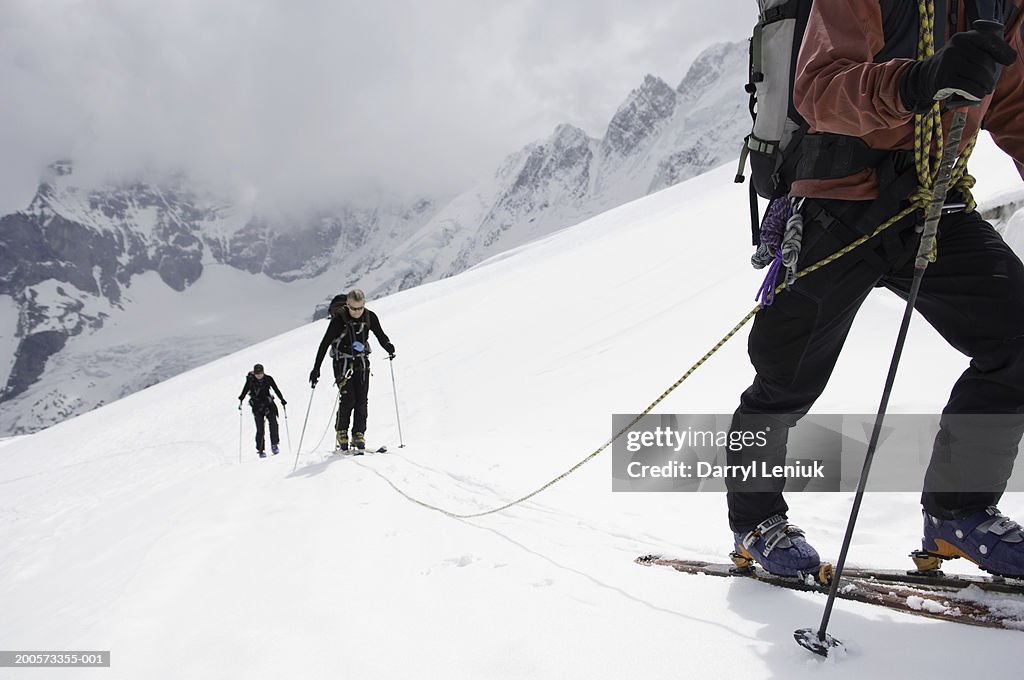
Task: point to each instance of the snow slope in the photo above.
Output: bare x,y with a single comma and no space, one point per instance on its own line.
134,528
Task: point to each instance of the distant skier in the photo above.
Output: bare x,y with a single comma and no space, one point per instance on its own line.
347,338
258,385
859,103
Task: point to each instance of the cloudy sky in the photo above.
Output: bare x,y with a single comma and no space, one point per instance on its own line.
306,100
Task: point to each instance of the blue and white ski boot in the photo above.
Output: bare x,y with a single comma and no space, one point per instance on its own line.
779,547
988,538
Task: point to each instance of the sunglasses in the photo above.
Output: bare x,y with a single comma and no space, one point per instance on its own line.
356,309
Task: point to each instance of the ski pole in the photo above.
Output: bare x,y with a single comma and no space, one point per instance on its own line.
820,641
312,390
287,433
394,391
239,432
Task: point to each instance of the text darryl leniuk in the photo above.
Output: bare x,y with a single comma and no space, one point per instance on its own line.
702,470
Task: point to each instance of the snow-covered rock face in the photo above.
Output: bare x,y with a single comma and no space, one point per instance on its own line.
657,138
640,117
68,256
68,260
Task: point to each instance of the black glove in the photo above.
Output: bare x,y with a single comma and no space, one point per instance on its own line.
240,403
284,403
965,66
390,349
314,375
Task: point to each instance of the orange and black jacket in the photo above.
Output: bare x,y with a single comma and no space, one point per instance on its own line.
840,88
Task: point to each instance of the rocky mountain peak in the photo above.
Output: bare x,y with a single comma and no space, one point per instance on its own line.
567,136
640,116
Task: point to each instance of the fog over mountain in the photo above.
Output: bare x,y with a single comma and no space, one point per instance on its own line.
287,104
82,267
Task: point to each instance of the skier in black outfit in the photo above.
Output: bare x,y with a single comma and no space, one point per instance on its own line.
258,386
347,338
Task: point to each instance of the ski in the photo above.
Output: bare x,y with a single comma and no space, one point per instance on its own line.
939,580
356,452
967,600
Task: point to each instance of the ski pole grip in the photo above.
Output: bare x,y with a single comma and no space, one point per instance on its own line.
954,101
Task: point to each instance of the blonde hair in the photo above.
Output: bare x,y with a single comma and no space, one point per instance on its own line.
356,295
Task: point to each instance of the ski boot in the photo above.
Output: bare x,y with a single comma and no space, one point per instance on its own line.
261,454
359,442
341,441
986,537
779,547
274,450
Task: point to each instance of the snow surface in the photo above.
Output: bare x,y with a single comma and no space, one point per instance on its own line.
134,528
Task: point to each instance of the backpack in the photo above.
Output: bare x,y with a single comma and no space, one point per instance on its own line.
778,147
260,396
338,304
777,126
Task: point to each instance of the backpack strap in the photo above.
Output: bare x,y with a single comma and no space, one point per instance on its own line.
831,156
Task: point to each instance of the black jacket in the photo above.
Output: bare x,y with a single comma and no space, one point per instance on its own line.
259,391
344,331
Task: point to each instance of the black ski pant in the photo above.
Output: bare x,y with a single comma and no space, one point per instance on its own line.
268,413
352,402
973,295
